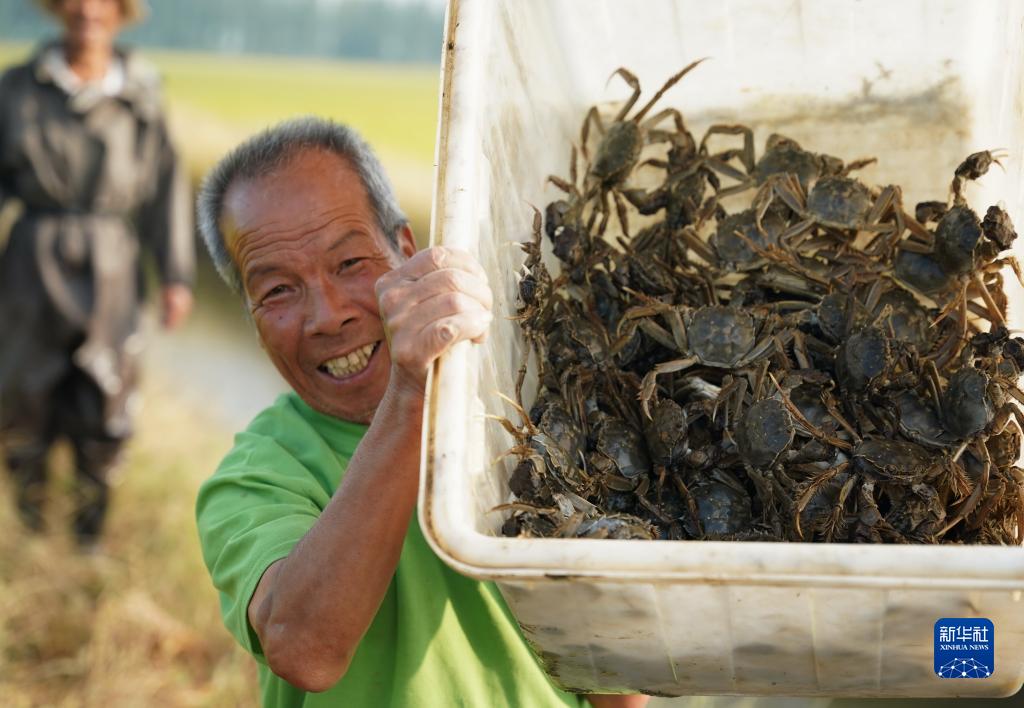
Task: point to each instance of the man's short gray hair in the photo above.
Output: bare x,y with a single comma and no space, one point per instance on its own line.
276,147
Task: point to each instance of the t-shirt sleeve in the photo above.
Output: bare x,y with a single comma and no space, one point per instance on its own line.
250,513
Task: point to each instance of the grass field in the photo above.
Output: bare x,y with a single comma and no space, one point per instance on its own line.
394,107
215,101
137,625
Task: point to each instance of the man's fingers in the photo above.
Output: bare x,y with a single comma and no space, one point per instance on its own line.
438,258
409,294
424,344
435,299
439,306
447,331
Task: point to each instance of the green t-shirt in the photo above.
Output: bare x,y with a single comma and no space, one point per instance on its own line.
439,638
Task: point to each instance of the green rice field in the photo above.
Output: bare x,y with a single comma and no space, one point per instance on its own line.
215,101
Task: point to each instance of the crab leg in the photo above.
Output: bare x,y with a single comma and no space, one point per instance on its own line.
691,505
803,359
649,385
697,244
668,84
634,83
592,117
993,310
972,501
811,428
567,187
621,212
746,154
677,120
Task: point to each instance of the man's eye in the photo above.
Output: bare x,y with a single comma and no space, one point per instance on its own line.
350,263
276,290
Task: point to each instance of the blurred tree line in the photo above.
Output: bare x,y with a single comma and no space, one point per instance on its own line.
358,29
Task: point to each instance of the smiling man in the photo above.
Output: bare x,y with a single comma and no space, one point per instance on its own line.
308,526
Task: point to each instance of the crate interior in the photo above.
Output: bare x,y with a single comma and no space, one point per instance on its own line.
918,85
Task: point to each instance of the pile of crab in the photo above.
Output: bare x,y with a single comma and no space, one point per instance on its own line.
819,366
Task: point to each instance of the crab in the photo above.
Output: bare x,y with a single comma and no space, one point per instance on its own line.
618,151
738,235
714,335
665,433
721,506
620,450
682,194
863,359
965,260
782,155
975,403
829,376
835,202
974,166
765,432
546,456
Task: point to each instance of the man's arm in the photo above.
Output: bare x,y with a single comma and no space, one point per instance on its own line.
165,224
311,609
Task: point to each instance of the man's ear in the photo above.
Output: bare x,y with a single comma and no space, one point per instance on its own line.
406,241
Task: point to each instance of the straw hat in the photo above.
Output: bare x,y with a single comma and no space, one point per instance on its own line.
134,10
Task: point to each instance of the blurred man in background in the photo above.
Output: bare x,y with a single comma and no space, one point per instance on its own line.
308,526
85,155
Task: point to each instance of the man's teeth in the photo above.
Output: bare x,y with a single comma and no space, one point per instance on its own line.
351,363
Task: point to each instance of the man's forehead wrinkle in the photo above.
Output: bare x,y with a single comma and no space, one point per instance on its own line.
311,221
269,233
251,251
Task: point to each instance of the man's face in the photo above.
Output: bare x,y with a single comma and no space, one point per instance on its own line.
309,251
91,23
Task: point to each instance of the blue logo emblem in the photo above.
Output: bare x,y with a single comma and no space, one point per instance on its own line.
964,648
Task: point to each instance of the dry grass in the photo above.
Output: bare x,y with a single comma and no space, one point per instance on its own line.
138,624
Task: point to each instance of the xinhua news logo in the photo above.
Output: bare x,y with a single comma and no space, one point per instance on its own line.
964,648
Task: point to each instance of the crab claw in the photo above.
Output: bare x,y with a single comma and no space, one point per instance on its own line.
648,391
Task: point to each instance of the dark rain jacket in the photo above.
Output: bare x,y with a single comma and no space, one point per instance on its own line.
96,181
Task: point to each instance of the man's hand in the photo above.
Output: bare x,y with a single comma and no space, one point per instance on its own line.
432,301
175,305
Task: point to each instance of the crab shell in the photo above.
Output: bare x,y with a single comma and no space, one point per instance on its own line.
722,508
785,155
922,271
862,358
731,248
764,432
967,407
839,202
665,432
720,336
831,315
956,239
895,460
919,421
624,447
909,320
617,153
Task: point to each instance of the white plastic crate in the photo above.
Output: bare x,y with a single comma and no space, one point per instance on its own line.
917,84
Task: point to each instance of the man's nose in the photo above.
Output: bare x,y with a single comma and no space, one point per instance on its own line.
330,308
